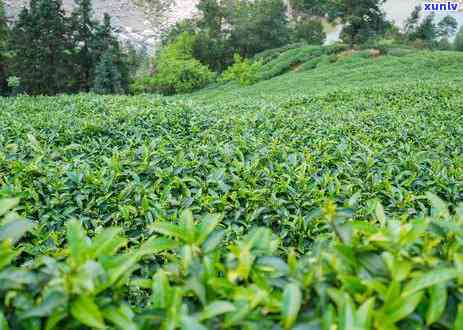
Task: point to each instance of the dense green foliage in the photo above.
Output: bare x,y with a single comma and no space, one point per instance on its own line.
240,208
458,43
310,31
244,71
177,70
362,19
4,36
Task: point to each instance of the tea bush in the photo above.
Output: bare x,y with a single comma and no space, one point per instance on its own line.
243,70
243,209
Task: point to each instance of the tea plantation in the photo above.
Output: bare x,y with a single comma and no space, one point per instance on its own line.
317,200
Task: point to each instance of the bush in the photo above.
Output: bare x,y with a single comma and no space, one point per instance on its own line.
243,70
182,76
290,59
381,274
176,70
270,54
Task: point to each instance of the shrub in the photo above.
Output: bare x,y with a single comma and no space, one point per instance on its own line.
176,70
244,71
290,59
382,274
181,76
270,54
14,84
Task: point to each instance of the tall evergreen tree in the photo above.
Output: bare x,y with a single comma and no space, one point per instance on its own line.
84,34
458,43
43,49
108,77
4,35
106,46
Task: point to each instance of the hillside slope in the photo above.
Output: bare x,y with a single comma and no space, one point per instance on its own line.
331,198
352,73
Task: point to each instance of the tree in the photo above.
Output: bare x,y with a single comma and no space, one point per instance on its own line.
447,27
427,30
84,34
310,31
362,19
412,22
43,49
212,17
4,36
458,43
313,8
257,25
108,77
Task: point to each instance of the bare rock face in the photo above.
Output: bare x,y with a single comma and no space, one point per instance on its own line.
139,21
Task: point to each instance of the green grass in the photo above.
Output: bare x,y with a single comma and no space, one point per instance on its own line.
307,201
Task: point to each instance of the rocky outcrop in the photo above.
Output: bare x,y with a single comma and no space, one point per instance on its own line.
139,21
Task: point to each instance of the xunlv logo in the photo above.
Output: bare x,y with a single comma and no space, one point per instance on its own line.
449,6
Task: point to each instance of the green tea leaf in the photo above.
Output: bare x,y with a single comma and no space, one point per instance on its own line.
78,242
7,204
402,307
216,308
291,304
206,227
426,280
120,317
87,312
437,303
155,245
107,243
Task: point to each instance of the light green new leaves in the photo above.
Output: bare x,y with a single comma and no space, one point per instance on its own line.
187,230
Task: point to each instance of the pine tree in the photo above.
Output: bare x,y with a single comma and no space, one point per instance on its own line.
84,31
4,35
108,78
458,43
43,48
